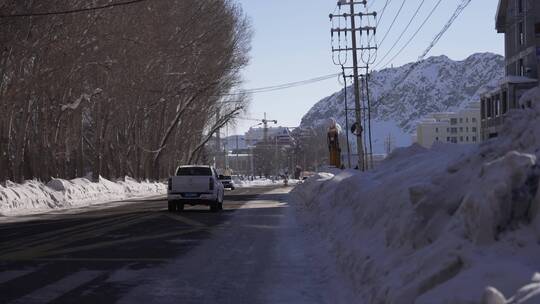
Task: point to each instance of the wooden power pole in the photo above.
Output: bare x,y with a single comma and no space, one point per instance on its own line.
353,29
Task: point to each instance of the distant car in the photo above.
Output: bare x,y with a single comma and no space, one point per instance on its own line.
195,185
227,181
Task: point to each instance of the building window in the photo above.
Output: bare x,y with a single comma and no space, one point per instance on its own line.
460,129
453,121
521,67
461,120
453,130
448,139
436,130
520,6
467,138
474,129
474,138
436,138
467,119
461,138
474,119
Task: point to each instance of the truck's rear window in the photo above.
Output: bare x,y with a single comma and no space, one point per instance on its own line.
194,171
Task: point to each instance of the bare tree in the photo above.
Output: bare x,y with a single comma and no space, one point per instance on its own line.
130,90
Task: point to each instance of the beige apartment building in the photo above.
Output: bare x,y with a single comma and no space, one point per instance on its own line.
460,127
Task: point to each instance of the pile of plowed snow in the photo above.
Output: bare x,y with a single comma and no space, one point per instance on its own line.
34,196
257,182
452,224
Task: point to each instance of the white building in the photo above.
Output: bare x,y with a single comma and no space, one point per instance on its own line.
255,135
462,127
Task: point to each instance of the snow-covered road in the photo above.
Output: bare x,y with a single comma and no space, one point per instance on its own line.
260,255
253,252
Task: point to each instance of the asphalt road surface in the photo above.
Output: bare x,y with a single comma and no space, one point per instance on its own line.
138,252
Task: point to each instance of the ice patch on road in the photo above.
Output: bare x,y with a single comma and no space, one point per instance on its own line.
34,196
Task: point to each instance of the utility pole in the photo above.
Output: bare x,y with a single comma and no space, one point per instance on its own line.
388,144
237,158
226,148
276,157
369,117
218,142
251,161
356,75
358,109
346,117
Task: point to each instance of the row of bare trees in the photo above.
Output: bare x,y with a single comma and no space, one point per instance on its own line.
129,90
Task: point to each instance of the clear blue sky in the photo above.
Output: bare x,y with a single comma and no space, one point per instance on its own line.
292,43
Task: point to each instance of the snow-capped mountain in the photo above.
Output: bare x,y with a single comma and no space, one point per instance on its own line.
436,84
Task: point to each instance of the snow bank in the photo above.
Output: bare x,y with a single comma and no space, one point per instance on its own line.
453,224
259,182
33,196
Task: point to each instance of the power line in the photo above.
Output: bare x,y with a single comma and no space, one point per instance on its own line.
382,12
414,35
392,24
381,15
73,11
402,33
283,86
456,14
453,18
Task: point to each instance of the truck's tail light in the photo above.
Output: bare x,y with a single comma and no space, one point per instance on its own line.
211,183
170,183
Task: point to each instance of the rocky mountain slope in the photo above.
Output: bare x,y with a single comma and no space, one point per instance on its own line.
436,84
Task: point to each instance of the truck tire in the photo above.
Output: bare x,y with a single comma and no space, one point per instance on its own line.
179,206
172,206
220,203
214,206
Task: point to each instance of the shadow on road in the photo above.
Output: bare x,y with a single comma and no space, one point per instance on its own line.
123,237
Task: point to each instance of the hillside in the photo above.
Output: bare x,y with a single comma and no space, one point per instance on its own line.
436,84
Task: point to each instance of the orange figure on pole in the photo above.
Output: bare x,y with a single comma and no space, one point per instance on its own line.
333,144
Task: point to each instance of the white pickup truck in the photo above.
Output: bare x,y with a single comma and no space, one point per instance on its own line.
195,185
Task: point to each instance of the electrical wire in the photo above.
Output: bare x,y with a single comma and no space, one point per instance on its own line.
283,86
402,33
73,11
382,12
371,54
393,22
377,21
461,7
414,35
339,61
456,14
